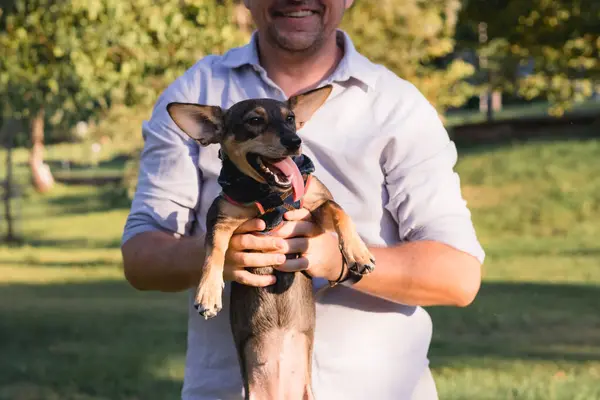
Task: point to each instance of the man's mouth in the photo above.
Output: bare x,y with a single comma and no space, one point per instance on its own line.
295,14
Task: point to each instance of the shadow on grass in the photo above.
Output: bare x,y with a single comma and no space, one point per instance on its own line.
115,163
581,135
518,130
100,340
108,341
557,322
109,198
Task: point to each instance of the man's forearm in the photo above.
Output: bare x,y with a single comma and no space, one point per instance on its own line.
158,261
423,273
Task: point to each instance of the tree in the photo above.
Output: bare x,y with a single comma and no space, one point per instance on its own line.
415,39
8,185
548,48
68,60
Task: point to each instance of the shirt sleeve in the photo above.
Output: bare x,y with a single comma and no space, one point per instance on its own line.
168,187
424,190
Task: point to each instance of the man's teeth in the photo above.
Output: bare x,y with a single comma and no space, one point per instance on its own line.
298,14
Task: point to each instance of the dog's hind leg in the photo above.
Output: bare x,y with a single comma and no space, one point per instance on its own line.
273,328
223,218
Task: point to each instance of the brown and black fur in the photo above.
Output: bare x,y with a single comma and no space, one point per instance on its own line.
272,327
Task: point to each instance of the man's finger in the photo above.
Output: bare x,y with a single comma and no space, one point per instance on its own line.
294,265
297,228
255,242
295,245
252,225
301,214
257,259
250,279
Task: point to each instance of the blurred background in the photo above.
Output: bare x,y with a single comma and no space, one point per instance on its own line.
517,84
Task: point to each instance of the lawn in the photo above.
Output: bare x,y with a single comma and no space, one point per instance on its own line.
71,328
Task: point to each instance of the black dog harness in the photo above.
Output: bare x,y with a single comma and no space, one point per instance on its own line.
240,189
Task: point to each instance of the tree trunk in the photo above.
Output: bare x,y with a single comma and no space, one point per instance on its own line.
8,191
8,131
43,180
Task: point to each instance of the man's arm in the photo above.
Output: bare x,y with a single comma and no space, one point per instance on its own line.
158,253
439,260
155,260
424,273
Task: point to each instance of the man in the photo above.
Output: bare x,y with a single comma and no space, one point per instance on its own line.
380,148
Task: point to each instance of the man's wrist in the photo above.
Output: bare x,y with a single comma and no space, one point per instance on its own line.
351,279
346,277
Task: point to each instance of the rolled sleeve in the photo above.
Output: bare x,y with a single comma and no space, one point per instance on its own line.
424,190
168,187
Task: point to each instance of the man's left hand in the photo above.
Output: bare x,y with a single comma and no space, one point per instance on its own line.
319,250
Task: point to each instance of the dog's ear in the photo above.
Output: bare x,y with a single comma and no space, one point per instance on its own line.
202,123
305,104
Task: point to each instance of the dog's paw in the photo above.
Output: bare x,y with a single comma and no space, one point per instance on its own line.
359,258
209,298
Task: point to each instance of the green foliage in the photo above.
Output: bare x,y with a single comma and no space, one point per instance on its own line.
560,38
415,40
77,57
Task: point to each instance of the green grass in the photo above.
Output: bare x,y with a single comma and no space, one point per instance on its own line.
71,328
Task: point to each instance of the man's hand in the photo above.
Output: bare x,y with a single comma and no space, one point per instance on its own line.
319,251
248,250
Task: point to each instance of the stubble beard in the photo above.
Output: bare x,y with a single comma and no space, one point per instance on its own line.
300,42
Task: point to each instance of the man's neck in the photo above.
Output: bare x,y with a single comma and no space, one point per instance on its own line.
296,73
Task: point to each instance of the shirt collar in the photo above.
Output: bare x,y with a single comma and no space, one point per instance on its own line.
353,64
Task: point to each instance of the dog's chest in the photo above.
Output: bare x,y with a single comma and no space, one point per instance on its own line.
274,217
271,205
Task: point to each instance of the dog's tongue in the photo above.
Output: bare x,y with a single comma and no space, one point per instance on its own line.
290,169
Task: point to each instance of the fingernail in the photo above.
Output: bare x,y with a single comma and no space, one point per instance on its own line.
281,258
273,279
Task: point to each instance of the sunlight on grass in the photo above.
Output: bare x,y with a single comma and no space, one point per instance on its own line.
495,378
47,275
170,368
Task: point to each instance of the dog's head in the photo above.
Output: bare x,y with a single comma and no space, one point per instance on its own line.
257,135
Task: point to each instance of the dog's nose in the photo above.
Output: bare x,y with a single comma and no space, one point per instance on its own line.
291,142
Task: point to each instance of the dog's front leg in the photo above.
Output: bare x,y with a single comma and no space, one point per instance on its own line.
222,219
330,216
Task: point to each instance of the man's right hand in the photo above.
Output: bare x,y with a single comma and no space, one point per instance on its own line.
249,250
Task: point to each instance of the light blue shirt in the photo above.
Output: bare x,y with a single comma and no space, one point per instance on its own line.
380,148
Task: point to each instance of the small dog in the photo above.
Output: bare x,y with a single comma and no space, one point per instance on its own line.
264,174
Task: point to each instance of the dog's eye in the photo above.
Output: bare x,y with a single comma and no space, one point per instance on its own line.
254,121
290,118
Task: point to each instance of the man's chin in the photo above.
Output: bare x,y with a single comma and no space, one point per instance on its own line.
296,41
